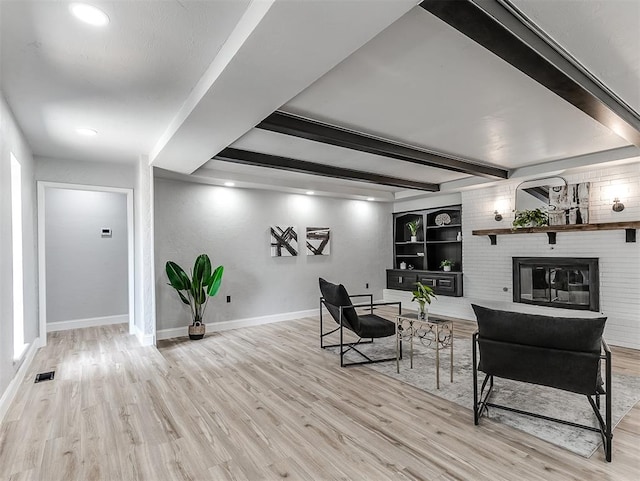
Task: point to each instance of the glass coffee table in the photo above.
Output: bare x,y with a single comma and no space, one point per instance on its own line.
431,332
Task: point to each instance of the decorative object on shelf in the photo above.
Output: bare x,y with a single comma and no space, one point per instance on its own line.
443,219
413,227
403,265
284,241
446,265
459,236
569,204
617,205
410,267
531,218
318,241
497,216
195,291
423,294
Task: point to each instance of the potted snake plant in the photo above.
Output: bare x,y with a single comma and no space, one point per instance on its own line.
413,227
196,290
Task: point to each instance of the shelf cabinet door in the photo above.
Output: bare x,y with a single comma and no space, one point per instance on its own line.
448,284
401,279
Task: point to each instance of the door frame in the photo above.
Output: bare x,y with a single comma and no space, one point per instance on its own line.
42,264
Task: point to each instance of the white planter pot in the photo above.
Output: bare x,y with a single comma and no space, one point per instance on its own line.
414,238
446,268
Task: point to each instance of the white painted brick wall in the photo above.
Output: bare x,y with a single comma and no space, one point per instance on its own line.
487,268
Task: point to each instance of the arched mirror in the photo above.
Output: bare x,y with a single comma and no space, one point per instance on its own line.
538,194
561,202
534,194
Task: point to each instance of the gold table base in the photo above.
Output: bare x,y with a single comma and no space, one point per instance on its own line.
431,332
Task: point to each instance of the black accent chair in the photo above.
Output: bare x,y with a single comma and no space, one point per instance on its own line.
559,352
366,326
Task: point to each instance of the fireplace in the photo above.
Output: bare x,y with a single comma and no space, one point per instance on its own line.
567,282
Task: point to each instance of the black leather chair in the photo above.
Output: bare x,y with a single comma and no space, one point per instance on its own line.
559,352
366,326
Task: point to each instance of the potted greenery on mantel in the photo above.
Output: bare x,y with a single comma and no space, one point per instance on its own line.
530,218
195,291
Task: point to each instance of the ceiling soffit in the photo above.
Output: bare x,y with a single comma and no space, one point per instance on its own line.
277,49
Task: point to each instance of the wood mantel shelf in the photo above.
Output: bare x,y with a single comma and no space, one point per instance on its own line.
552,230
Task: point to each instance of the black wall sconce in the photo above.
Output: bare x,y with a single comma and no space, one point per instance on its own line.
617,205
497,216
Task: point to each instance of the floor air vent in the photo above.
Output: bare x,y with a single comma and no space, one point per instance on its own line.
45,376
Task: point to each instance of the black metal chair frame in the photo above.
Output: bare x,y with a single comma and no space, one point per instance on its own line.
354,345
481,400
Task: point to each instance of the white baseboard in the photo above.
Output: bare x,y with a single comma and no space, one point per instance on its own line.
237,323
12,388
91,322
143,339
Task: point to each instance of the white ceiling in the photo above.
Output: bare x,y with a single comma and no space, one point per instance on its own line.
422,82
178,81
603,35
126,80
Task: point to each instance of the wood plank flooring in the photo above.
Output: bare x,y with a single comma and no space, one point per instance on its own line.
263,403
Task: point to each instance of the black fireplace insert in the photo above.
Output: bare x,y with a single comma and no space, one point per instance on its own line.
567,282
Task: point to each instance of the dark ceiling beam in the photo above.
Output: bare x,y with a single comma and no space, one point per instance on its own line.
289,124
503,30
257,159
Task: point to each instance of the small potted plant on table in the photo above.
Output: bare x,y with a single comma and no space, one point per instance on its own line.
423,294
195,291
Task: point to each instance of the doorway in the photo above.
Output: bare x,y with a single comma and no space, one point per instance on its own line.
86,249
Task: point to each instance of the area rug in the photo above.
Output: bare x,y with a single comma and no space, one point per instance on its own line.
528,397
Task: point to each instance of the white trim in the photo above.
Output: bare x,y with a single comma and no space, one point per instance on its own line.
17,248
131,262
152,254
42,270
12,388
238,323
90,322
144,339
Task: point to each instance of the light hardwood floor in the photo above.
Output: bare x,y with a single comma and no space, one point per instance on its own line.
263,403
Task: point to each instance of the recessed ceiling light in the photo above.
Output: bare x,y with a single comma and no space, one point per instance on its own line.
87,132
370,199
89,14
310,192
229,184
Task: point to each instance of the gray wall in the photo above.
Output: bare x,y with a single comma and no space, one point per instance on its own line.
87,274
232,226
12,140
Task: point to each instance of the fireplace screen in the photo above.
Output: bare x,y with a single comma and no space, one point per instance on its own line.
570,283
